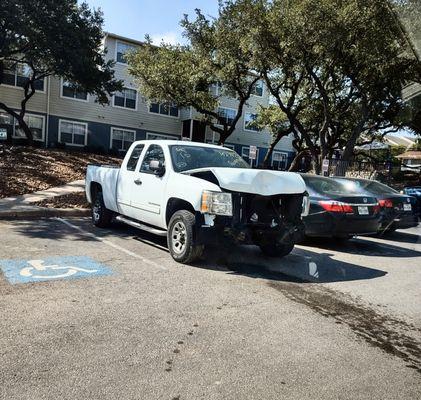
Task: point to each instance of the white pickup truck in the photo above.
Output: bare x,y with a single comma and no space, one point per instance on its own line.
197,193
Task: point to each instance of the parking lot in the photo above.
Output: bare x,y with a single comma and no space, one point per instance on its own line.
107,314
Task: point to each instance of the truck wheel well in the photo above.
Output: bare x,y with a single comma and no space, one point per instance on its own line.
95,188
174,204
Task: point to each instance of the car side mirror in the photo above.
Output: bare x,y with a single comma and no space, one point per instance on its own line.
157,167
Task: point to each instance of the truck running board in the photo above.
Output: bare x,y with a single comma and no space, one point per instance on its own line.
143,227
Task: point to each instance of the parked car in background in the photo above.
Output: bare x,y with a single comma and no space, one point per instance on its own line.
399,211
338,210
414,191
196,193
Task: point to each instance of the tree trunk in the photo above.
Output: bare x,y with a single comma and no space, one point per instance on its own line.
297,159
26,130
268,156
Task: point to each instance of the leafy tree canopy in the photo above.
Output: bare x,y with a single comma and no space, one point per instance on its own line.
54,37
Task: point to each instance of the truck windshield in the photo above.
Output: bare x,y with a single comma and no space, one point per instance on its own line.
186,157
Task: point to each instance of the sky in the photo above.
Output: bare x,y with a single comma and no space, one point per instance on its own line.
158,18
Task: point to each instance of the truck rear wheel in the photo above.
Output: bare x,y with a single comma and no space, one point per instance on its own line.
180,236
101,216
276,249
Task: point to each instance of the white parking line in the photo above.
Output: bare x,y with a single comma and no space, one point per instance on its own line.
111,244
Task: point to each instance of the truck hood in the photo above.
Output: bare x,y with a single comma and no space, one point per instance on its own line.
263,182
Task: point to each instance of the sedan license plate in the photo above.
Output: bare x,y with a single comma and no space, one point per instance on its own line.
407,207
363,210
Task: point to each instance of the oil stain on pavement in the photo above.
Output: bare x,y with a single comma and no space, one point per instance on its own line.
392,335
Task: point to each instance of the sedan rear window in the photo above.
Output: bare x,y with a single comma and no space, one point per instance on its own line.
363,185
320,185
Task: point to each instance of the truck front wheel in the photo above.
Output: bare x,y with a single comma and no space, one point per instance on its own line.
181,241
276,249
101,216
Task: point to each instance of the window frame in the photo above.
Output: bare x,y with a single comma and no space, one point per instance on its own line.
60,121
166,137
285,161
127,108
226,108
71,98
162,115
116,51
244,123
14,136
114,128
15,86
263,89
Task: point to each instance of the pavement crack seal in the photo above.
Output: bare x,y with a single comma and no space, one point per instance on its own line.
390,334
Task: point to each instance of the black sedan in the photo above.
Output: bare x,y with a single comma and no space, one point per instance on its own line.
414,191
339,211
399,211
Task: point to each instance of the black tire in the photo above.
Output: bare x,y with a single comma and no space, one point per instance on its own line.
276,249
101,216
180,236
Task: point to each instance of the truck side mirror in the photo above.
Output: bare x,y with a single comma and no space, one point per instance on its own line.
157,167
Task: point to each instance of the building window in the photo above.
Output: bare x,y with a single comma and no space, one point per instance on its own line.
122,139
227,114
257,89
122,49
169,109
6,119
216,88
126,98
18,75
245,153
73,133
73,91
249,125
156,136
35,124
279,160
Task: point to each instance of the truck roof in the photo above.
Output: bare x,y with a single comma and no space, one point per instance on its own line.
179,142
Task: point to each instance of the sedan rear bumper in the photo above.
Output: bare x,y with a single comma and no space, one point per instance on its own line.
325,225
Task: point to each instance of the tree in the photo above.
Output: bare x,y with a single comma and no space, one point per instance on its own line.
216,62
53,37
335,68
275,121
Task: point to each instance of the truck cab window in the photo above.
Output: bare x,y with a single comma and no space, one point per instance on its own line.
154,152
134,157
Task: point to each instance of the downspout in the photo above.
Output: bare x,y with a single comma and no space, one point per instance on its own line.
47,119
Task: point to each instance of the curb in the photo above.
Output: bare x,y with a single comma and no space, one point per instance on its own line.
43,212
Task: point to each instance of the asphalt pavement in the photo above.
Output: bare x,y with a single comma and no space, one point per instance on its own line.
107,314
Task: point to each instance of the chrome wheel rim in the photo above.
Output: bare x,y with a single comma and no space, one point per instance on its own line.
178,236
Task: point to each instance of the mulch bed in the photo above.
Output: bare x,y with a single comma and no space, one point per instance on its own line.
25,169
71,200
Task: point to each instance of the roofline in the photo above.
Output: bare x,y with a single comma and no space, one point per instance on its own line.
123,38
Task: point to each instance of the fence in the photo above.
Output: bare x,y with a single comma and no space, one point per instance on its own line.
358,169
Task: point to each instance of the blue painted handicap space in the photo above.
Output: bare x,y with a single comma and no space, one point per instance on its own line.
52,268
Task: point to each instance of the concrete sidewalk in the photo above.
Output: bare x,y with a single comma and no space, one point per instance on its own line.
23,207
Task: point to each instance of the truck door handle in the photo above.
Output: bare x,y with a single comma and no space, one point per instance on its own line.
137,181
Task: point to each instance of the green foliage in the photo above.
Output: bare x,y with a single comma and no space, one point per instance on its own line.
55,37
217,55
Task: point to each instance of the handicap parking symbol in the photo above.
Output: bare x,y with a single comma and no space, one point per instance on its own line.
51,268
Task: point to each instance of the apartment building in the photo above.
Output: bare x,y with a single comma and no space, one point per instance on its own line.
57,113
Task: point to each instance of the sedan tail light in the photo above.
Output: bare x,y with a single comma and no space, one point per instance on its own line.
336,206
386,203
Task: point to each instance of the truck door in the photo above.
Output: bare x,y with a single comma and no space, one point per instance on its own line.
148,191
126,180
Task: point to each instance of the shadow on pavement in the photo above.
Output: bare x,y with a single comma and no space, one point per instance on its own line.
302,265
363,246
402,237
299,266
